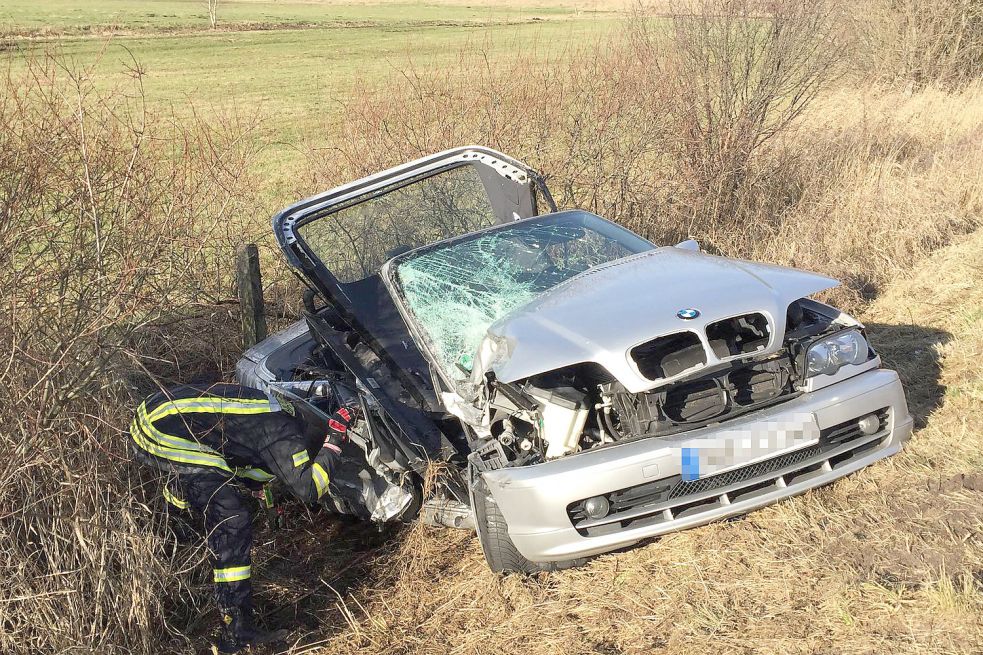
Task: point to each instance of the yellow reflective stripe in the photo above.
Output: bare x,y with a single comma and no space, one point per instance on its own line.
257,474
301,458
320,479
169,440
180,503
180,456
211,405
199,456
232,574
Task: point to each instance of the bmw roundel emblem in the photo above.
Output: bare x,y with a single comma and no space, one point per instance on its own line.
688,314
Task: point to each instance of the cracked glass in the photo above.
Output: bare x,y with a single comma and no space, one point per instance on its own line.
456,289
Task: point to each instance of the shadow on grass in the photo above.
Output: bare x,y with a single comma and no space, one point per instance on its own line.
914,352
301,574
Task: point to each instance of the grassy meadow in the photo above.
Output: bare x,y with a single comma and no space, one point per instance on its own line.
293,64
67,17
139,148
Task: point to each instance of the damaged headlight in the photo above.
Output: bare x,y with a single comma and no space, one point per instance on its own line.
827,356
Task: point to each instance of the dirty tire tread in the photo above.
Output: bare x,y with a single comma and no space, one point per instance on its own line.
493,533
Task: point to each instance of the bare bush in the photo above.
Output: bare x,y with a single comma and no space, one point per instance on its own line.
662,131
739,73
926,41
704,125
110,219
590,120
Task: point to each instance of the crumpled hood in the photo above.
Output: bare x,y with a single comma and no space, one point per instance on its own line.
600,315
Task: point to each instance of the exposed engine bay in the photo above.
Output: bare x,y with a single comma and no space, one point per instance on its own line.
582,407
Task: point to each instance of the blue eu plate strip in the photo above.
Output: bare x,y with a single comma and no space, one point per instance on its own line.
691,463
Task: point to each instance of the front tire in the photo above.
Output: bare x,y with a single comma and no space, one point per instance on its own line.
496,544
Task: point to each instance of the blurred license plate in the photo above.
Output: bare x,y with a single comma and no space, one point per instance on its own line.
742,446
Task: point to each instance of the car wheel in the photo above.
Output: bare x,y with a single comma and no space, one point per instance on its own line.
493,533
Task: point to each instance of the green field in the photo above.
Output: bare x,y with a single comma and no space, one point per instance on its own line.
88,16
291,63
291,73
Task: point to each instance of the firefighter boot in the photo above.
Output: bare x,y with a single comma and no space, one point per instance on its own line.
239,631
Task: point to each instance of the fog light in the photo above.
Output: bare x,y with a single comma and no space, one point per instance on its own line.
597,507
869,424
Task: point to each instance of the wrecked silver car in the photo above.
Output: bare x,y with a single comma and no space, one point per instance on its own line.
580,387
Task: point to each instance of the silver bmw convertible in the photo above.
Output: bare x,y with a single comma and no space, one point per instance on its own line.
565,386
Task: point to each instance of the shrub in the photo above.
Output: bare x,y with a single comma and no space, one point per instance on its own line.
665,131
739,73
110,218
928,41
719,123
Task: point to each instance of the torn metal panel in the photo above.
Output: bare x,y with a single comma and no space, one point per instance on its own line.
359,490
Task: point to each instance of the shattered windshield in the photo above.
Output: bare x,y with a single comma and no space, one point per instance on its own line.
455,290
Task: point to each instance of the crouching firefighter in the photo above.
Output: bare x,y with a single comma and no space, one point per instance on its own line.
218,443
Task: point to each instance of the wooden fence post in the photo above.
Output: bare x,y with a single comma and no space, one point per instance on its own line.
253,309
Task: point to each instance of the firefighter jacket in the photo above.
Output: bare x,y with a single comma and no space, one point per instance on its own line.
234,430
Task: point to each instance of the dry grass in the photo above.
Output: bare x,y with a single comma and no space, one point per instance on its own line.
925,41
116,227
876,179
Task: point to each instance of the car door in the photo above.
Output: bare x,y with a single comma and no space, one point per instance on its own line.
344,235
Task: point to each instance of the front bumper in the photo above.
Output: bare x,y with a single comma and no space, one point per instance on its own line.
535,500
